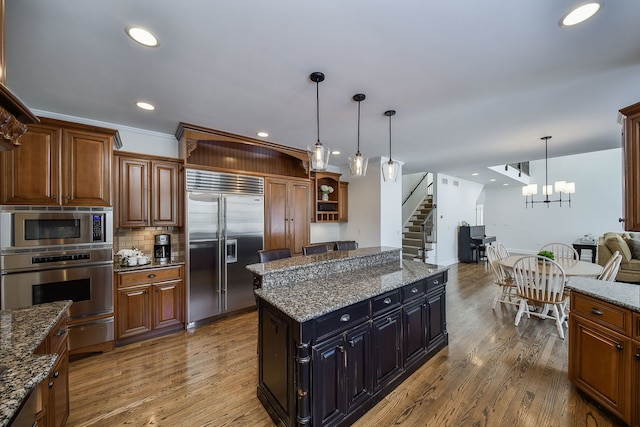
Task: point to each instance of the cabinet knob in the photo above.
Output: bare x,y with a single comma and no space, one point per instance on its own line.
352,343
56,374
68,197
50,384
387,300
619,347
596,311
637,356
341,349
414,290
61,332
345,318
620,219
146,291
151,276
435,282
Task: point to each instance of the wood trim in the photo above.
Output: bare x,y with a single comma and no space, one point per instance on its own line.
140,156
239,154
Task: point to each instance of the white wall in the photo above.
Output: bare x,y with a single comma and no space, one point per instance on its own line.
595,208
455,203
390,209
364,207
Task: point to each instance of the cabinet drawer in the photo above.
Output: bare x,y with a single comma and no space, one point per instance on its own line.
413,290
609,315
385,302
433,281
151,275
342,319
58,337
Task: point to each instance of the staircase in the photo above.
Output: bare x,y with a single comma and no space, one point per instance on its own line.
412,235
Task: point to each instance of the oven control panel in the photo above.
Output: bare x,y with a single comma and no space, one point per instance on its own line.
57,258
98,228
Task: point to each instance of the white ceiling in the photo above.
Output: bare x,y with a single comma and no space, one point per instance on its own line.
474,83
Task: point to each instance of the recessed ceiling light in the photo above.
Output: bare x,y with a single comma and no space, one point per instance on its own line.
145,106
142,36
335,152
505,184
492,180
580,14
475,174
262,134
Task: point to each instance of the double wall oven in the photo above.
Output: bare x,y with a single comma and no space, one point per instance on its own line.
52,254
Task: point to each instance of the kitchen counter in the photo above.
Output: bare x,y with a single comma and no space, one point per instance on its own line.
117,268
22,330
312,267
309,299
339,331
625,295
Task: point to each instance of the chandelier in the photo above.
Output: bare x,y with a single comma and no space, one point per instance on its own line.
561,187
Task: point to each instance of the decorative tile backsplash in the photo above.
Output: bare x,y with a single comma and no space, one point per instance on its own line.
144,238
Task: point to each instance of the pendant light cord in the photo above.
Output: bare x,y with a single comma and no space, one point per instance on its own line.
318,109
358,151
390,137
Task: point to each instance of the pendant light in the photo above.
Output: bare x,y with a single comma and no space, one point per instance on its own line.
358,163
390,168
318,153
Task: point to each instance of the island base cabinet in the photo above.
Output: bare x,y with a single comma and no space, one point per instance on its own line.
599,364
387,348
330,370
341,373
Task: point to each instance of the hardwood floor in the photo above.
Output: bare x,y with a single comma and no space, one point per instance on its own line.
491,374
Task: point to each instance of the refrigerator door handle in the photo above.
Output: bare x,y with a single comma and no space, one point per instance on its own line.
232,251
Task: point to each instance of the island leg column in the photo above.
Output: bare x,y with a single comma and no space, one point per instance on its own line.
303,360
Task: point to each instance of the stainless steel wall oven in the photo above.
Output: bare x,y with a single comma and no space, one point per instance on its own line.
61,254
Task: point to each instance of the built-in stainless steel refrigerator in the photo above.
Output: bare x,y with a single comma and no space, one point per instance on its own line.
225,230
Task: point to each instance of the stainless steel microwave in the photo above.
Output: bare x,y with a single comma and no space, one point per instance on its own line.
37,228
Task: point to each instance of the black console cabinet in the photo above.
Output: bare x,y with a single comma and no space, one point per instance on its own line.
330,370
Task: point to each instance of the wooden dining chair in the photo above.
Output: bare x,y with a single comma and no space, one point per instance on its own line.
506,292
314,249
540,282
561,250
610,270
502,250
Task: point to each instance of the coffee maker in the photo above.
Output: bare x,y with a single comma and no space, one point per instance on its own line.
162,248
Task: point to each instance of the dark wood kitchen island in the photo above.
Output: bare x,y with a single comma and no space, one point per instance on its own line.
339,331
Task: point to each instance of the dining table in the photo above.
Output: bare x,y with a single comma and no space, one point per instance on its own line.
571,267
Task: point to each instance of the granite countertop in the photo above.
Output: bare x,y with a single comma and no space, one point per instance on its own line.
117,268
625,295
22,330
296,262
306,300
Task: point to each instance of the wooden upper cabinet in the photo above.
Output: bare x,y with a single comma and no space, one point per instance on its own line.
149,191
287,214
30,173
631,151
166,194
86,165
133,195
59,163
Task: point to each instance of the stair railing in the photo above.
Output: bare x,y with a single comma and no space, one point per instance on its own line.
423,232
416,187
